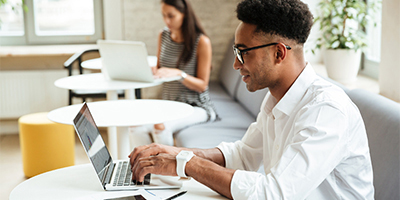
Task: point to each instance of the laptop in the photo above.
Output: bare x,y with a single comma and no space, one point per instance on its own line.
113,175
127,60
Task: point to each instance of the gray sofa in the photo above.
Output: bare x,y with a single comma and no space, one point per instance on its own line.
238,108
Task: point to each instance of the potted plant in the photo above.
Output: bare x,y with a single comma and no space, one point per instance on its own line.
343,24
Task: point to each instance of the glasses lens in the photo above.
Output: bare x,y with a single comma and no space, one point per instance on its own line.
236,51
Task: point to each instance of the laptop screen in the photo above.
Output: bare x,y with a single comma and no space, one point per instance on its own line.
92,141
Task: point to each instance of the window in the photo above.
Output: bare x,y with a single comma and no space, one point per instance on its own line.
373,52
12,19
51,22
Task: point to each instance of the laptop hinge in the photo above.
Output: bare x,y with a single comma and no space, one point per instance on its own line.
108,174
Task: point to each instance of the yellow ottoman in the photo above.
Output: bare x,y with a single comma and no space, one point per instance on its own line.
45,145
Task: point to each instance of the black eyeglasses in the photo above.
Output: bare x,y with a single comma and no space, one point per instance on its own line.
239,52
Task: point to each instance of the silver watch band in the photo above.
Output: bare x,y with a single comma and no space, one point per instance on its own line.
183,76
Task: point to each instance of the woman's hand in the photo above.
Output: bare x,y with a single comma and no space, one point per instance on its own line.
164,72
154,70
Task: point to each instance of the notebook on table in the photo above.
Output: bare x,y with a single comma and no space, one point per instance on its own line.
127,60
113,175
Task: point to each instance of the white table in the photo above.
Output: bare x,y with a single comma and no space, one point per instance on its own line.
97,81
122,114
95,64
81,182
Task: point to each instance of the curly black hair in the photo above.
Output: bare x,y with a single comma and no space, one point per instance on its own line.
288,18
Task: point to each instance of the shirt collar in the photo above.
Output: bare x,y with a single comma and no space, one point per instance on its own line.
295,93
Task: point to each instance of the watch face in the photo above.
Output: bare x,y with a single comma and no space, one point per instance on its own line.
185,153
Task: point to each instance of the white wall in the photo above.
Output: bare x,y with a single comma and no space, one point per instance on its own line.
113,19
314,34
142,21
389,68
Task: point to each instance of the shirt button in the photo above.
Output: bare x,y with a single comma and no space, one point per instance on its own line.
277,147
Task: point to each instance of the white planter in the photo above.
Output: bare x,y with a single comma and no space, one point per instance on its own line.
342,65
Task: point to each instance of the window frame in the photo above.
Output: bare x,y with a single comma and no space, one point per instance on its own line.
30,37
370,66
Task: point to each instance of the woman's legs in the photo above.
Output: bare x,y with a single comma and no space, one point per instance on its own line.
163,133
140,135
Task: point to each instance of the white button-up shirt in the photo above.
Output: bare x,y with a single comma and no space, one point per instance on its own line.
312,143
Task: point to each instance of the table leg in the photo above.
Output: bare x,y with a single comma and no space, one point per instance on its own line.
112,131
112,141
119,144
123,142
138,93
112,95
130,94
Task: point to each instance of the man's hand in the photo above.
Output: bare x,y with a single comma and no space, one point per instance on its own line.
153,158
163,164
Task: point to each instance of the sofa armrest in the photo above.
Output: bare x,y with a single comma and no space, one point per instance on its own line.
382,122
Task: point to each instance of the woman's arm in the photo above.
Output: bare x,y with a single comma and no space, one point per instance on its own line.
199,83
204,51
154,68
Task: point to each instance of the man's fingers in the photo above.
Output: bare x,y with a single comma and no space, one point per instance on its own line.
140,165
136,151
143,172
164,164
146,151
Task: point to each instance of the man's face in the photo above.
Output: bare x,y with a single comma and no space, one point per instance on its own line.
258,71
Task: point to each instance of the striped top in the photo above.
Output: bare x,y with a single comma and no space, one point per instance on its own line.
175,90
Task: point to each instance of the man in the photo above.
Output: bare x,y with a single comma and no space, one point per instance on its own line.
309,136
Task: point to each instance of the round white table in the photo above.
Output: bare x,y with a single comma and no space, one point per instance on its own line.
81,182
122,114
98,81
95,64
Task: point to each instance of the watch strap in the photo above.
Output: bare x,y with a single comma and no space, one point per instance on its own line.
181,159
183,76
180,168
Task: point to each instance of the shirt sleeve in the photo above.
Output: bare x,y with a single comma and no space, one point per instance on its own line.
317,147
245,154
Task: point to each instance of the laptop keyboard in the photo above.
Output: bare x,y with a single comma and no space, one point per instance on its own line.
123,176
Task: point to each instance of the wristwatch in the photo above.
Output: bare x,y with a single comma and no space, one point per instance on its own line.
183,76
181,159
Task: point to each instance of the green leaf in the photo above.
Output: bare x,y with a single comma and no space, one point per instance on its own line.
332,17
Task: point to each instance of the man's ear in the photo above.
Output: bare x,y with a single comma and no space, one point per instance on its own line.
281,53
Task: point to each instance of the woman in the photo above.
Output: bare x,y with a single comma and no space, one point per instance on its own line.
183,50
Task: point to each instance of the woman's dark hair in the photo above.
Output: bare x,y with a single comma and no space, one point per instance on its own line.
191,27
288,18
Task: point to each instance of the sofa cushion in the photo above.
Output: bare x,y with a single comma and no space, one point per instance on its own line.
232,115
206,137
251,101
227,75
217,92
336,83
382,122
233,124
